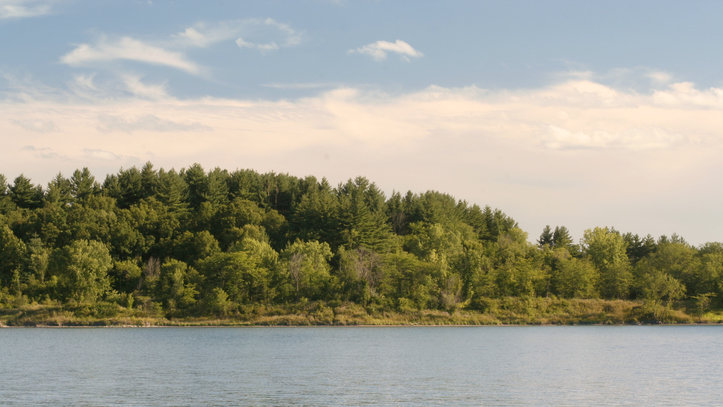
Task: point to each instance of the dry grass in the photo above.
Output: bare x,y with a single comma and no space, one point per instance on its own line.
507,311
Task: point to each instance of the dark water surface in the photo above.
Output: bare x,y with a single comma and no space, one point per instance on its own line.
506,366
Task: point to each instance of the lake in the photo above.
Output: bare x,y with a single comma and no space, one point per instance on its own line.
389,366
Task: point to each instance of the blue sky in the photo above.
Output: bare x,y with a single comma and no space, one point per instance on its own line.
558,112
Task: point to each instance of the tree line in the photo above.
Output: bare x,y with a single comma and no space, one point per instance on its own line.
196,242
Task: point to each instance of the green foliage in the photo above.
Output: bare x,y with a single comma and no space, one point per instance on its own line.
82,270
24,194
362,217
361,271
607,250
190,242
306,266
82,185
59,191
575,278
545,237
656,286
12,254
244,274
317,215
191,247
125,276
177,288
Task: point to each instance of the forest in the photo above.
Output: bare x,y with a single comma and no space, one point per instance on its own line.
194,245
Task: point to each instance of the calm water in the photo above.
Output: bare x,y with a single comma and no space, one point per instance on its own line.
556,366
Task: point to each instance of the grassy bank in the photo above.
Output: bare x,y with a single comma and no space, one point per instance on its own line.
506,311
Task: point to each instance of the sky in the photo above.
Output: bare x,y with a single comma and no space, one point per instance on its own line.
570,113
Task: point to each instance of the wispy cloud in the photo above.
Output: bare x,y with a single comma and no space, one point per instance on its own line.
268,35
37,125
129,49
24,8
660,77
146,123
300,85
204,34
380,49
136,87
261,34
45,153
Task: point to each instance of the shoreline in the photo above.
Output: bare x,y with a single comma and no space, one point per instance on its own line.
91,326
512,311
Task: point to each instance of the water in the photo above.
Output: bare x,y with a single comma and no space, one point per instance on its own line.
487,366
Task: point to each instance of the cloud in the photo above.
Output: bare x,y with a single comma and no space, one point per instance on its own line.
300,85
129,49
204,34
136,87
37,125
101,154
84,82
147,123
45,153
268,35
578,152
660,77
261,34
379,50
12,9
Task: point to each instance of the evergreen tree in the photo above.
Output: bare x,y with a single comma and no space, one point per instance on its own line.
24,194
82,184
60,190
546,237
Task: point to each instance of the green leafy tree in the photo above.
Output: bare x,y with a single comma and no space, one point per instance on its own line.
228,222
12,254
82,270
677,259
656,285
95,219
178,285
38,257
607,251
574,278
125,276
517,270
360,273
708,276
50,223
306,265
191,247
237,274
409,283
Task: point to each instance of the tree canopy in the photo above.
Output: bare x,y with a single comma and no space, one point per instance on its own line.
198,242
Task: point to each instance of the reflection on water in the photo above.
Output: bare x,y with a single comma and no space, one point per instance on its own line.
556,366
